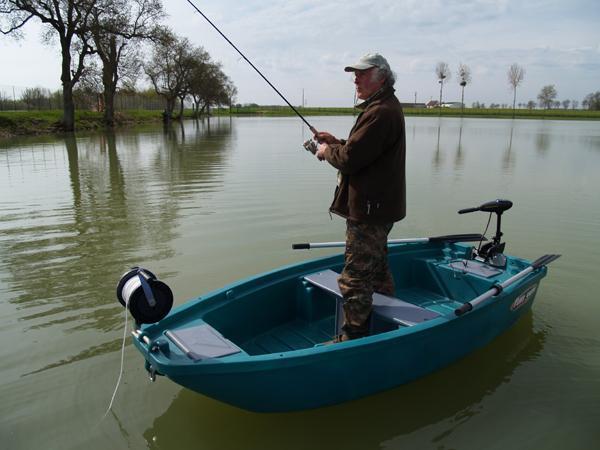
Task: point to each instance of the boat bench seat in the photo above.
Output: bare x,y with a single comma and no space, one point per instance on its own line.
386,308
202,341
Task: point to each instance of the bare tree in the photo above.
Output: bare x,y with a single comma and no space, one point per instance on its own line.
547,96
442,71
66,19
464,78
516,74
115,24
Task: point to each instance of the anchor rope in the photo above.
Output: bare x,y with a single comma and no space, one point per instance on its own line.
122,361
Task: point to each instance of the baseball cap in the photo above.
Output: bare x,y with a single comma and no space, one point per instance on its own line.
367,61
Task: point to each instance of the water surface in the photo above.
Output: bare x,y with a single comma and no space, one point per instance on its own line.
209,202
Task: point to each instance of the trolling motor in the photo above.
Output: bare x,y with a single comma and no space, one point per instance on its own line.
148,299
492,253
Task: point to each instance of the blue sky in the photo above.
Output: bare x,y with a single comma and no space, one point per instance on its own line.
304,45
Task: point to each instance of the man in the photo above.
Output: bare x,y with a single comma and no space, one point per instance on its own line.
371,191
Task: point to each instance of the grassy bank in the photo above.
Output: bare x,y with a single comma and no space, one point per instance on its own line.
274,111
27,123
23,123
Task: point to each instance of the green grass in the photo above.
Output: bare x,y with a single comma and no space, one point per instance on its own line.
14,123
446,112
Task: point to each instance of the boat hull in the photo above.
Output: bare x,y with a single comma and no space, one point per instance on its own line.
321,375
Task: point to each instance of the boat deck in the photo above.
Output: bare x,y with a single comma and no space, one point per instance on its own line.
298,334
429,300
293,335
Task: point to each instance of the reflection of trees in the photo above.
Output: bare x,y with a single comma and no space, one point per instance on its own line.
459,157
508,160
542,141
437,156
123,211
452,396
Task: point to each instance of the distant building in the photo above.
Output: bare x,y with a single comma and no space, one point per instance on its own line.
432,104
452,105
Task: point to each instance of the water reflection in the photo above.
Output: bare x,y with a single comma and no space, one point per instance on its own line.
452,396
542,141
459,157
437,157
508,159
63,251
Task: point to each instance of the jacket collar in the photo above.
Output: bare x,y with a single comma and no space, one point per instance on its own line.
381,94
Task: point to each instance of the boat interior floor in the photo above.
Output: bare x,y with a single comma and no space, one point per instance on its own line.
319,316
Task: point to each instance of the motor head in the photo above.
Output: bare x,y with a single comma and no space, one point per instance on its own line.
497,206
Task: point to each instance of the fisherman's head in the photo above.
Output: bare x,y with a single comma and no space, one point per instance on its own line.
371,72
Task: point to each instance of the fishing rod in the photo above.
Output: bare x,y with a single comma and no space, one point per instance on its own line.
311,128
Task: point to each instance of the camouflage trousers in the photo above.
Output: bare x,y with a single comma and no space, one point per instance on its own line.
366,271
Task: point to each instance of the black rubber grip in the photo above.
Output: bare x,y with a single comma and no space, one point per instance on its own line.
303,246
465,308
468,210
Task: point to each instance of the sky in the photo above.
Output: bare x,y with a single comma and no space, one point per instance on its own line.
302,46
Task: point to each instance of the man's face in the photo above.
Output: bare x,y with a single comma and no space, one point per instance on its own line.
366,83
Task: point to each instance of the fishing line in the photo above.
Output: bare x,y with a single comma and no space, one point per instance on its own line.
313,129
122,360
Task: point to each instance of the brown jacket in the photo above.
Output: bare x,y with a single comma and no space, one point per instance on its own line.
372,188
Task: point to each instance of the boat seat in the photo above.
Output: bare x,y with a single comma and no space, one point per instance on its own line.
385,308
201,342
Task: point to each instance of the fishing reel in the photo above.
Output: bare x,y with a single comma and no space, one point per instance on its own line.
492,253
310,145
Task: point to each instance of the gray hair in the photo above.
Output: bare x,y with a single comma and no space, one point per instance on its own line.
386,74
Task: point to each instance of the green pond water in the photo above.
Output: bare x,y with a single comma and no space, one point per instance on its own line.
209,202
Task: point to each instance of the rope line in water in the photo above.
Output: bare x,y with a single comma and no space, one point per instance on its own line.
122,362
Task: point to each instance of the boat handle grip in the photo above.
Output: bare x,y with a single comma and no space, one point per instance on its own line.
464,308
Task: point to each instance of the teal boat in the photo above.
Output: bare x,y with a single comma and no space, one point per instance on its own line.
261,343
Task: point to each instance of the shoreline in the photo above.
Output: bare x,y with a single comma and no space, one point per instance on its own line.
35,123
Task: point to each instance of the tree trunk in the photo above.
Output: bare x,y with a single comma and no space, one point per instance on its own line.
168,112
110,78
109,107
181,108
441,88
68,120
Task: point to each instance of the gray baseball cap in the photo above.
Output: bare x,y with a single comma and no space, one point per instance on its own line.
367,61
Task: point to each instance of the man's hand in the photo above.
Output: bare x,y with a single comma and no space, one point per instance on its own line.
321,148
327,138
